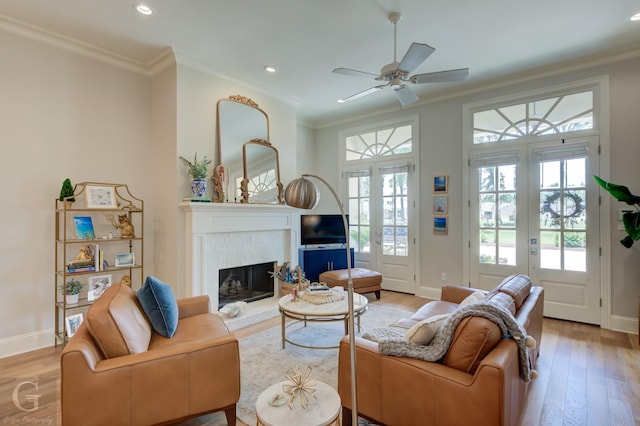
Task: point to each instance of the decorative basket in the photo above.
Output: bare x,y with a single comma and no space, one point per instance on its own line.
285,287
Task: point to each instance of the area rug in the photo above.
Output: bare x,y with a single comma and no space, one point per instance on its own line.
264,362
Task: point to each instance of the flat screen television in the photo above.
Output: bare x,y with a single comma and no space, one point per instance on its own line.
322,229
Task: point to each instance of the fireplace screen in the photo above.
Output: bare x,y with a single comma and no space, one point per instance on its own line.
245,283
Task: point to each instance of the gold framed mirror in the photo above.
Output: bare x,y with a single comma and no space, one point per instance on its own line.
261,183
241,121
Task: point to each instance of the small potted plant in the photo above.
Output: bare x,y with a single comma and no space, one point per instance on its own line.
66,193
198,172
71,290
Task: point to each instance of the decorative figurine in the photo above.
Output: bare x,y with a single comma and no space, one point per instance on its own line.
126,227
126,280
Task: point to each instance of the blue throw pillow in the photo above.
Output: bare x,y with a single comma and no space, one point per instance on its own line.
160,305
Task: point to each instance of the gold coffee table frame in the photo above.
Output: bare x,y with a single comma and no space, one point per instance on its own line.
302,311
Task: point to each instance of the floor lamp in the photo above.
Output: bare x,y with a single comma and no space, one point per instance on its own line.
303,194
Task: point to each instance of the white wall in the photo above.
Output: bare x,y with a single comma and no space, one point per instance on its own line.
441,153
61,115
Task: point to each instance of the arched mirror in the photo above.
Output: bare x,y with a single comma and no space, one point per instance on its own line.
261,183
239,120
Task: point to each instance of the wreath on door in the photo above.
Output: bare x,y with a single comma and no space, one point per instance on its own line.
552,208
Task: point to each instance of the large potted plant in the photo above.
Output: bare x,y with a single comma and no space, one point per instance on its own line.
66,193
198,172
71,290
631,219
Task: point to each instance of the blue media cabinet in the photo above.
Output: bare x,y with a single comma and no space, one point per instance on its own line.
315,261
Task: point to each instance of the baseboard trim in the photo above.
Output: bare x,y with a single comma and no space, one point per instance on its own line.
28,342
624,324
429,292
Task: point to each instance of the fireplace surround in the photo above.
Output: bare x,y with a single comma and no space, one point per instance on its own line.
225,235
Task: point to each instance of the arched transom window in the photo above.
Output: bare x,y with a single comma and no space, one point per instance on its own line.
379,143
559,114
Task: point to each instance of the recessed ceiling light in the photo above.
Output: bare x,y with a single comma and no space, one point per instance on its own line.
636,17
143,9
271,68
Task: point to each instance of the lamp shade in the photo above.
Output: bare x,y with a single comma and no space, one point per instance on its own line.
302,194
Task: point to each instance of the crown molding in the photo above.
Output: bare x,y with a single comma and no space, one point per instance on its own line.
165,60
69,44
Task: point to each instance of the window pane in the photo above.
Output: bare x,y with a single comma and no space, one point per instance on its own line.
487,179
550,209
550,255
507,247
487,210
487,246
575,251
507,177
507,209
550,174
575,212
575,173
364,186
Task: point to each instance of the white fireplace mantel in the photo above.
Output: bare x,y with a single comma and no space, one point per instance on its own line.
224,235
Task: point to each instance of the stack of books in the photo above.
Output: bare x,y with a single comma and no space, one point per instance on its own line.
86,266
90,259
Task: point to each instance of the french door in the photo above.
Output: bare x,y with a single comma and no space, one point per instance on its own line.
381,217
534,210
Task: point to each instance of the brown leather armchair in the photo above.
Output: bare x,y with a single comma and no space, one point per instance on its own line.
195,372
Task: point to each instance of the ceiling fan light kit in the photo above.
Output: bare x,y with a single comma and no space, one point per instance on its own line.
396,74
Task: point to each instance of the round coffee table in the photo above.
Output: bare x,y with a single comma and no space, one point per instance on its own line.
323,411
303,311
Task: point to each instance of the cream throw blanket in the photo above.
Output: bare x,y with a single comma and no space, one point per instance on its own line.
392,343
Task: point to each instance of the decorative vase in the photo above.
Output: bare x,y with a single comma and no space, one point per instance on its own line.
199,187
71,298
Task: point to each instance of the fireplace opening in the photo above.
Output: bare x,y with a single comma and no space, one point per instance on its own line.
245,283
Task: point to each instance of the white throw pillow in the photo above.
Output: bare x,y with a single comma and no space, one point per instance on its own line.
473,297
422,333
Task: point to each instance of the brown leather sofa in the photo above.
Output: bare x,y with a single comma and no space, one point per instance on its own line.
477,382
161,380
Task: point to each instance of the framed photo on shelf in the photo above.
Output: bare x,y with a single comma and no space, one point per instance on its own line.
440,204
125,259
100,197
72,322
84,227
440,225
98,284
440,184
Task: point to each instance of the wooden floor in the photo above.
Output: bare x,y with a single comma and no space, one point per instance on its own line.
587,375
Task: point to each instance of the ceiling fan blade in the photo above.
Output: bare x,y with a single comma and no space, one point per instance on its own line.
441,76
347,71
416,55
405,95
361,94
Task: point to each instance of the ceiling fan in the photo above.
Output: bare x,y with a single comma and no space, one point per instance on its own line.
396,74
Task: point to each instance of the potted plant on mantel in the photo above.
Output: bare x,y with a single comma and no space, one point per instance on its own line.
71,290
198,172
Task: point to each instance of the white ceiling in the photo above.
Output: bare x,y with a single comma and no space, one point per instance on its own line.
307,39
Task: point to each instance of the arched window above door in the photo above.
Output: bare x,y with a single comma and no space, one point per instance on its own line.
558,114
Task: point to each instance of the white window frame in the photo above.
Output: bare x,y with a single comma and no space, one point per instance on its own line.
600,87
